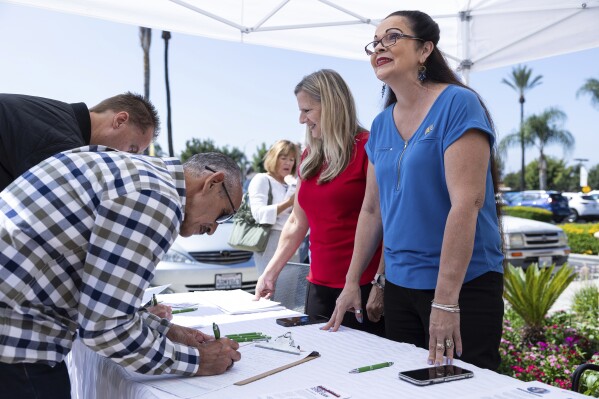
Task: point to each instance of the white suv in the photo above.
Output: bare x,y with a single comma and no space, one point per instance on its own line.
204,263
529,241
582,206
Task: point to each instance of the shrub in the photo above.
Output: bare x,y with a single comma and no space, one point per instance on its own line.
589,382
532,293
551,361
585,302
571,339
528,212
581,239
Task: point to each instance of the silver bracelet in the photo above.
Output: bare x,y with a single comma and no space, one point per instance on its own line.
446,308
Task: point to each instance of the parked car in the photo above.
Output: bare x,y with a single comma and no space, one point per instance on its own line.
582,206
529,241
550,200
594,194
204,263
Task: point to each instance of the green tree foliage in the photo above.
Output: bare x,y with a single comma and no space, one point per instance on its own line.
559,176
258,158
593,178
499,163
512,180
158,151
590,87
532,294
197,146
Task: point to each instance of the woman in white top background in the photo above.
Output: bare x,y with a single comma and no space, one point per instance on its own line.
280,163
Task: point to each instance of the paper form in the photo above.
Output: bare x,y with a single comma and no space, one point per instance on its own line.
239,302
317,391
253,361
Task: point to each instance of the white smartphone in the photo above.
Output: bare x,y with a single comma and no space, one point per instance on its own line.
435,375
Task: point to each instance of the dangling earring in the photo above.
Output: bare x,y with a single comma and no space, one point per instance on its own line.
383,90
421,73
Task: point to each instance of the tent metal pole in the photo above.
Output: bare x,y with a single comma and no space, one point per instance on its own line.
466,63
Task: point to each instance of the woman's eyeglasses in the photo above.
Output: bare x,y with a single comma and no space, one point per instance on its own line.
390,39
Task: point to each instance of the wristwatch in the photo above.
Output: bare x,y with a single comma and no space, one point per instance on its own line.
379,281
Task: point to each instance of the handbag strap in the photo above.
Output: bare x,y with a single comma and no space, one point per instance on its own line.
244,213
269,192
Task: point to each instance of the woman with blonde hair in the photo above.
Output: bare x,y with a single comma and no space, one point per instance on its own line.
278,182
331,186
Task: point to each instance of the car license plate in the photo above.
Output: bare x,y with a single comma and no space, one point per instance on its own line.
228,281
545,261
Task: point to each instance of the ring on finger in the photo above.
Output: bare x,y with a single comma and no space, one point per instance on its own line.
358,311
440,345
448,343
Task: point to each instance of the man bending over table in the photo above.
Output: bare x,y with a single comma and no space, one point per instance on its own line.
80,236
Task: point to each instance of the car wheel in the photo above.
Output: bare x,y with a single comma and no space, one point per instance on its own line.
573,216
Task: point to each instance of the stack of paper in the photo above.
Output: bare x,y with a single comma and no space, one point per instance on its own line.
239,302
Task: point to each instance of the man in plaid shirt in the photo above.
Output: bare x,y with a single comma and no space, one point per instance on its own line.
80,236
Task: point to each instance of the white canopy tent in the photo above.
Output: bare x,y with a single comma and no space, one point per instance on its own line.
475,35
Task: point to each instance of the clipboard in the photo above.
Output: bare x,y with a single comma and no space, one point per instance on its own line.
313,355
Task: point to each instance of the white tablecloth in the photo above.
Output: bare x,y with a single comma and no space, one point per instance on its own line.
95,377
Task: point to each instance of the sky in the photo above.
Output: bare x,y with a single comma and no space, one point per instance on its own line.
241,95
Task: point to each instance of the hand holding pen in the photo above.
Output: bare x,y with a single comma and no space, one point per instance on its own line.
162,311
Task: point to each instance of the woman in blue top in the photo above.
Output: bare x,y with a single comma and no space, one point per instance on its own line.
430,193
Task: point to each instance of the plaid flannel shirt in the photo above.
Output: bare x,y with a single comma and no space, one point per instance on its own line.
80,236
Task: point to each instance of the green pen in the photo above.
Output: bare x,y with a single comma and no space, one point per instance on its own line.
244,334
216,330
251,339
184,310
373,367
154,300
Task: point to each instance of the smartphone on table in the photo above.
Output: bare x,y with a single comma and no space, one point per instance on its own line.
435,375
301,320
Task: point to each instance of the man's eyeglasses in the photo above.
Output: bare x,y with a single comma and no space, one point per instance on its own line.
224,218
388,40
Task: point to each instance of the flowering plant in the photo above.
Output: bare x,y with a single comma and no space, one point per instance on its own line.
551,361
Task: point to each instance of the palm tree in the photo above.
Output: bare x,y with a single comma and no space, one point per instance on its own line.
166,35
591,87
145,38
545,129
540,131
520,81
532,294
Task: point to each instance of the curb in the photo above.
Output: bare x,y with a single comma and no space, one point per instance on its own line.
582,258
